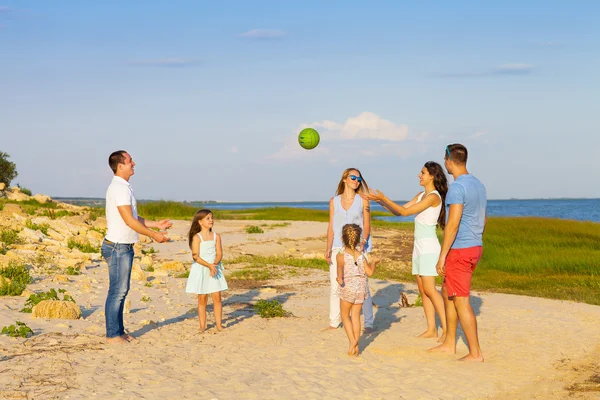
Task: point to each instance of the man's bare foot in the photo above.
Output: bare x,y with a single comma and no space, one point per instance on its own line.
116,340
128,337
368,329
470,357
442,349
428,334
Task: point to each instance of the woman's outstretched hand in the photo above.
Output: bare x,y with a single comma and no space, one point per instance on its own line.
375,195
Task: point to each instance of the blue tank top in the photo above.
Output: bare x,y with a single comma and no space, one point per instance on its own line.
341,217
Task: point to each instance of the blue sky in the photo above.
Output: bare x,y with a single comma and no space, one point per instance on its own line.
208,97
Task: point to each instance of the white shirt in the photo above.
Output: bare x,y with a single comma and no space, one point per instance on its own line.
120,193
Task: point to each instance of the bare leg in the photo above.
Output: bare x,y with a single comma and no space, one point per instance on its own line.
202,300
468,321
356,326
431,331
345,307
449,343
436,299
218,306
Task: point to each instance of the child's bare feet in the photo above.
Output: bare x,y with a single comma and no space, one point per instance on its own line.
470,357
219,328
355,352
352,349
428,334
442,338
442,348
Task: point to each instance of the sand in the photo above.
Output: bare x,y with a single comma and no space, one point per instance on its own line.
534,348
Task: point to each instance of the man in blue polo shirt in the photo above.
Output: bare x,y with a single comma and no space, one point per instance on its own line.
461,250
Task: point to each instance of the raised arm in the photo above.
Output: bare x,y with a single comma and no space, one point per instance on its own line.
140,227
329,233
410,208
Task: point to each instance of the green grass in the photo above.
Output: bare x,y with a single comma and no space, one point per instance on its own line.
270,309
259,273
19,277
262,262
254,229
83,247
10,237
26,191
41,227
151,250
30,206
185,274
96,212
54,214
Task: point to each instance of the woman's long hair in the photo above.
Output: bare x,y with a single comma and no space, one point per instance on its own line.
195,228
362,186
441,185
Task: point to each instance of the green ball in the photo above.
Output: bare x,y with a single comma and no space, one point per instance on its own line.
309,138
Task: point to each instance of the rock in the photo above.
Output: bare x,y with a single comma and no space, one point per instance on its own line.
26,293
175,238
137,273
127,306
95,235
56,309
2,186
148,322
31,235
12,209
146,261
292,250
17,195
55,235
176,266
60,279
42,198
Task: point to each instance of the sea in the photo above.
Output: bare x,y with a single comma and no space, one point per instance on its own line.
572,209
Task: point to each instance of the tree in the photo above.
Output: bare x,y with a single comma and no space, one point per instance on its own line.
8,170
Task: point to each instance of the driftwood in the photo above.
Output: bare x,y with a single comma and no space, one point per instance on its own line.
404,300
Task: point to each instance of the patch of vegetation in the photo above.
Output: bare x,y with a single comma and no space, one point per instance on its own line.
262,262
270,309
150,268
419,301
8,169
96,212
35,227
148,284
3,250
151,250
185,274
10,237
254,229
145,299
14,278
257,273
73,271
17,330
1,206
24,190
52,294
54,214
101,231
83,247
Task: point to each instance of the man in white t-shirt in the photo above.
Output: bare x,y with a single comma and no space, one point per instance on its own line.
123,229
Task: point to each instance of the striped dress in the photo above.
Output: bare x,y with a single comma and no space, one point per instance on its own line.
427,247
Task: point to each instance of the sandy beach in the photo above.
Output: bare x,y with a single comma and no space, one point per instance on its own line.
534,348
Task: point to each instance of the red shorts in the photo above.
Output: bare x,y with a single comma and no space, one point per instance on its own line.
460,264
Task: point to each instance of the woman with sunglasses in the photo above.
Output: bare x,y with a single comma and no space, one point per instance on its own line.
347,207
429,207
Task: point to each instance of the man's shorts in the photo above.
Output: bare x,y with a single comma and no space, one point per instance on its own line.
460,264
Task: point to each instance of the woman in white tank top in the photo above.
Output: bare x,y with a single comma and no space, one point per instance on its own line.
430,212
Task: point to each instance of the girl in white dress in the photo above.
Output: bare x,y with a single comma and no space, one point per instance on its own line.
206,275
431,212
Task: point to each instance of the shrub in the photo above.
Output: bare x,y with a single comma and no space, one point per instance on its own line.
35,227
254,229
73,271
270,309
49,295
8,169
10,237
83,247
185,274
419,301
17,330
26,191
145,299
148,284
151,250
96,212
14,279
150,268
53,214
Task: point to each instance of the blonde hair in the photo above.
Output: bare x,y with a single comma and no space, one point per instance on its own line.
362,186
351,235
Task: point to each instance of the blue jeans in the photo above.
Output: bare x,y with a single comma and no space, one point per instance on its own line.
119,258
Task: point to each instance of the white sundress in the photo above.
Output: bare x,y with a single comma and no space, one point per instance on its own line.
200,281
426,251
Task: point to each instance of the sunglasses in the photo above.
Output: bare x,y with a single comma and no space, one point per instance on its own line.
356,178
448,153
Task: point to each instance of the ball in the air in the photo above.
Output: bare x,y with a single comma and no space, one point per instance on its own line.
308,138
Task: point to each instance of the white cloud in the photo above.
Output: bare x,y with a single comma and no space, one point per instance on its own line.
164,62
367,134
263,34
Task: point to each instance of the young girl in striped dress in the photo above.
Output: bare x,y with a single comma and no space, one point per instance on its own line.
430,212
